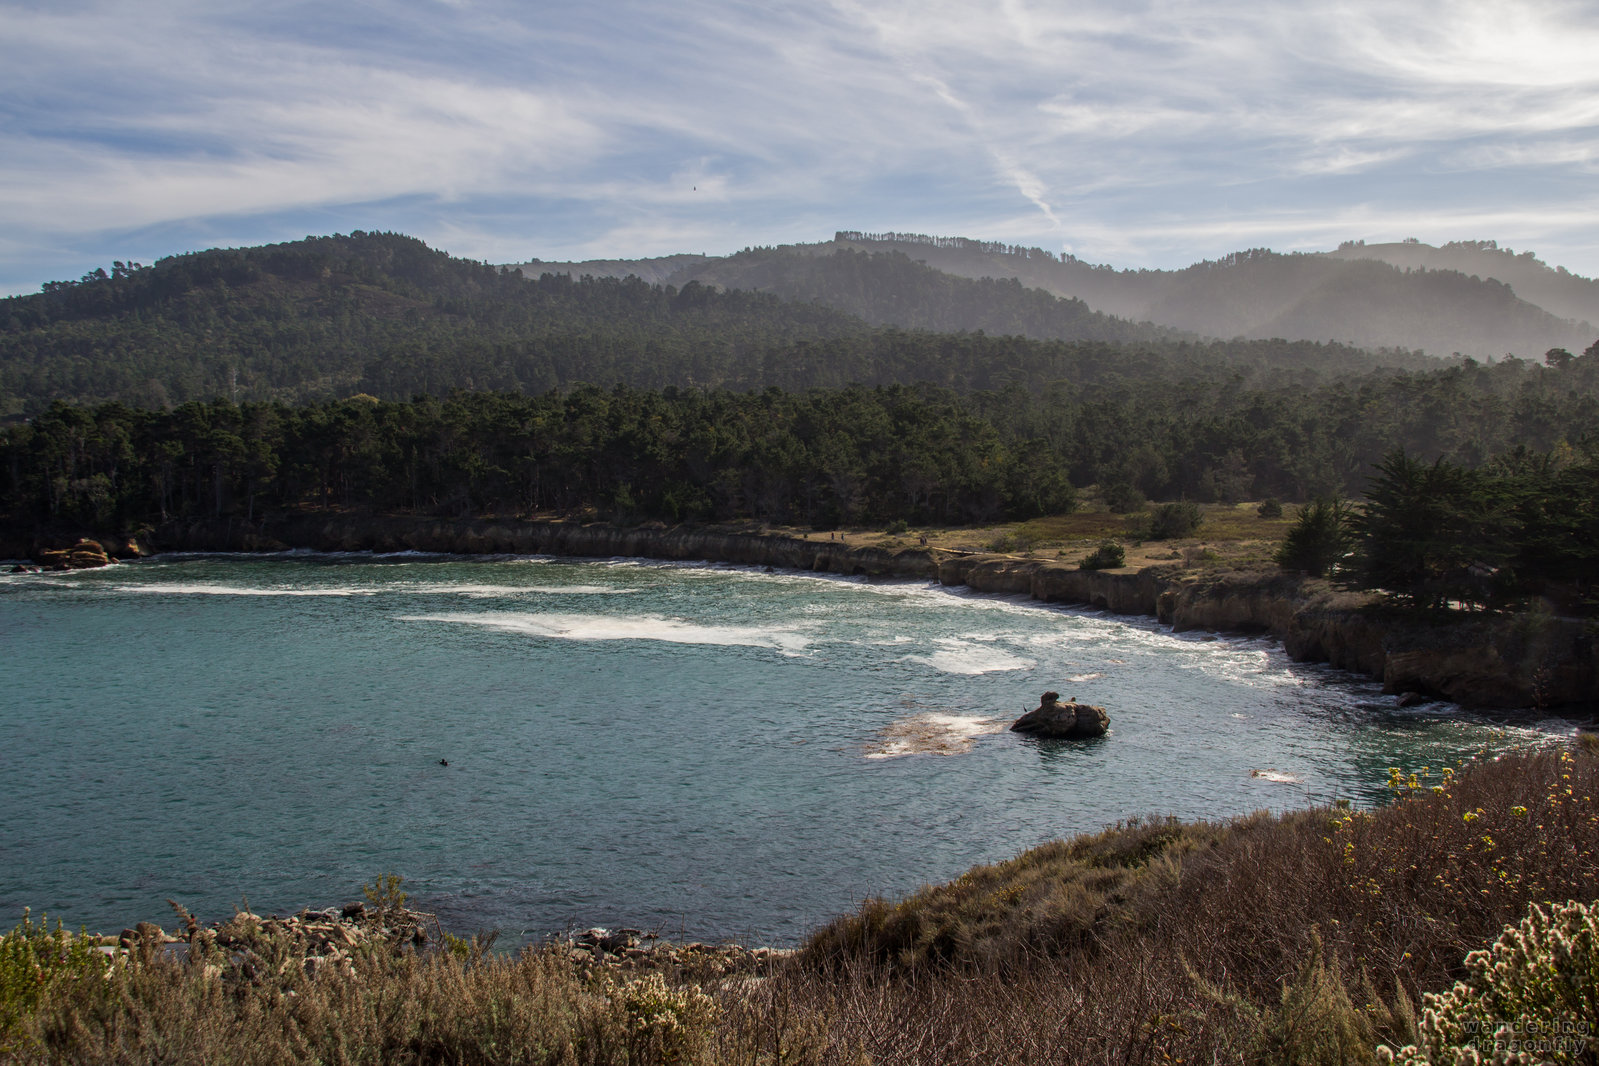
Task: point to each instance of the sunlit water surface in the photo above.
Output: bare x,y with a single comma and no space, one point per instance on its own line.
699,750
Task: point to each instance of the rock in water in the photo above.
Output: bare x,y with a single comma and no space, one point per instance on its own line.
81,556
1052,718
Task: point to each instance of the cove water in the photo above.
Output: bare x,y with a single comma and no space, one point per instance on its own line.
697,750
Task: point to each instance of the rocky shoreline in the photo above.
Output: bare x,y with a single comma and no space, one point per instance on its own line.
1531,660
249,948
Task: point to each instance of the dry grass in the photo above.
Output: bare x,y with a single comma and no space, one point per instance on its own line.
1047,902
1300,938
1231,534
1304,938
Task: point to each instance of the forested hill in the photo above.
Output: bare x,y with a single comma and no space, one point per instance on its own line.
385,315
886,288
1253,294
1555,289
377,313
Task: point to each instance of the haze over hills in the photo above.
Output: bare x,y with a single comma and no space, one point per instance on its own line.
386,315
1555,289
883,288
893,289
1411,301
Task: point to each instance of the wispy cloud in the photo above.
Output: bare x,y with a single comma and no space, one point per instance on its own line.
1149,133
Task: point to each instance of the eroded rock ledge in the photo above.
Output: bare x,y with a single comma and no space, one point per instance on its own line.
1531,660
1527,661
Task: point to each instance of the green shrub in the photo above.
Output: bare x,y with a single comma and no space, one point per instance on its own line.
1171,521
1319,540
34,959
1108,556
1016,541
1316,1023
384,895
1270,508
898,526
1122,497
665,1024
1534,993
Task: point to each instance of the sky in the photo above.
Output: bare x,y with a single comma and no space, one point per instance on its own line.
1135,134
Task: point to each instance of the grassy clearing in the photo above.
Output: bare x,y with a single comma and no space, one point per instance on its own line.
1230,534
1305,938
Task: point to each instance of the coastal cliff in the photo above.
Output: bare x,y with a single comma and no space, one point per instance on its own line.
1478,660
1529,660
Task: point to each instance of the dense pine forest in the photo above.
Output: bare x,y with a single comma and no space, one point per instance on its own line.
820,457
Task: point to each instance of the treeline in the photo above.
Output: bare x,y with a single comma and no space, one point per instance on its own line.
859,454
384,314
825,458
1436,534
964,244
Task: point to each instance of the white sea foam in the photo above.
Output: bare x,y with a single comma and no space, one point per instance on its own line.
932,734
179,588
585,627
961,657
1277,776
1078,679
486,592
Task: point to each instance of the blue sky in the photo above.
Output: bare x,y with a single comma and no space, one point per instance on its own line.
1137,134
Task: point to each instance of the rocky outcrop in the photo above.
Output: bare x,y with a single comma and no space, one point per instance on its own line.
1125,592
1053,719
1528,660
84,555
634,949
251,949
67,547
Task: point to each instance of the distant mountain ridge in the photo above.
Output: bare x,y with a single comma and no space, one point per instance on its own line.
1405,296
1555,289
385,315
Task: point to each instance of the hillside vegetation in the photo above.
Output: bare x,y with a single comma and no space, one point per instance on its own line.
379,313
385,315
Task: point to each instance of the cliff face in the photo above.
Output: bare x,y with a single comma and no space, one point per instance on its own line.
1480,661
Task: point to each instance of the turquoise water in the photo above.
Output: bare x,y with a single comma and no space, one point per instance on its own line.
699,750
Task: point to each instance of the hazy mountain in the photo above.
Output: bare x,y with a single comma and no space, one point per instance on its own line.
1387,296
1555,289
884,288
1259,293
